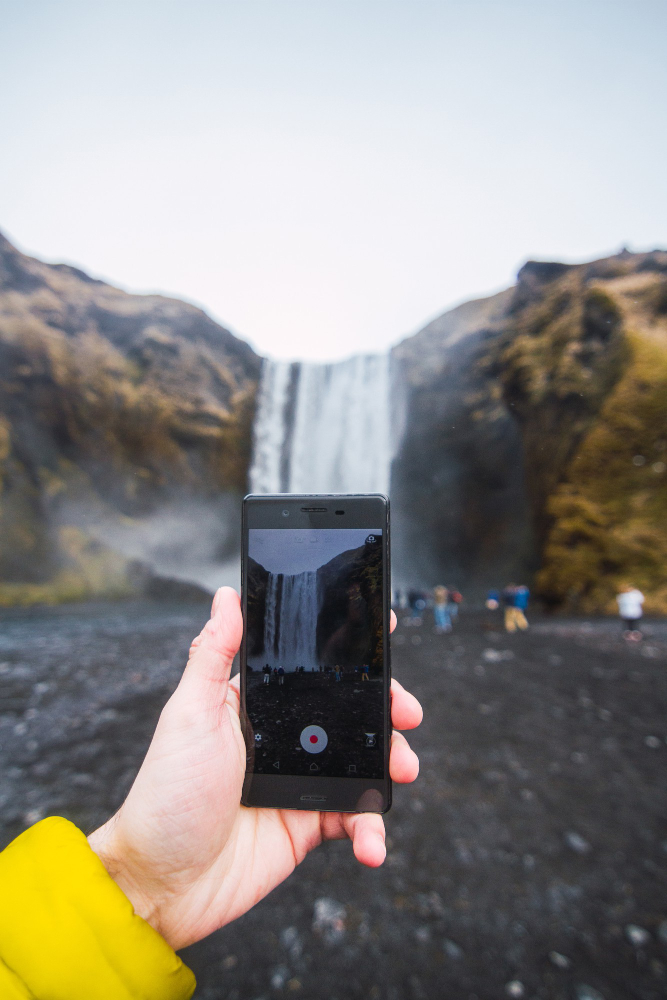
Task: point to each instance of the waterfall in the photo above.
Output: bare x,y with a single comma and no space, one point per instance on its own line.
271,625
323,428
290,622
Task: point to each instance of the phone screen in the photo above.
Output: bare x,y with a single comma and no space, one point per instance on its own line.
315,687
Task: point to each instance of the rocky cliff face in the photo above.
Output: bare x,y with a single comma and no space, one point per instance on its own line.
535,438
583,363
115,409
532,430
460,511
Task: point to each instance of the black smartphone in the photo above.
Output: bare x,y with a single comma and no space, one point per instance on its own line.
315,669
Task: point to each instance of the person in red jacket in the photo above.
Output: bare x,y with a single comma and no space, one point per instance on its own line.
102,919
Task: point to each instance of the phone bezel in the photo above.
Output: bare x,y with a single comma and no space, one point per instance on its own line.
321,793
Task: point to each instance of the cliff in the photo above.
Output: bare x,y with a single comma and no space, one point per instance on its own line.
535,436
460,512
113,407
531,431
583,363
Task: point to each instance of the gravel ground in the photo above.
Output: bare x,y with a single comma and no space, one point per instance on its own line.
529,860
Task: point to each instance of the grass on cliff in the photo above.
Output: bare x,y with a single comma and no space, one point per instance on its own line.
90,571
610,512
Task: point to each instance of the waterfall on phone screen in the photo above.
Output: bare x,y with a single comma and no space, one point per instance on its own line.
323,428
271,629
290,621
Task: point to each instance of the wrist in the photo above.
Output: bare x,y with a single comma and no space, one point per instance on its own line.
144,897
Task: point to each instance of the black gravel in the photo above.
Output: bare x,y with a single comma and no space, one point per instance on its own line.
529,860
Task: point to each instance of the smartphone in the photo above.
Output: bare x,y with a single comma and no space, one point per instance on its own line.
315,669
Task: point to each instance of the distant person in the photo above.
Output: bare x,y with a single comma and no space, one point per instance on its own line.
364,671
337,672
267,674
417,602
515,602
630,607
453,601
521,599
281,675
493,600
443,622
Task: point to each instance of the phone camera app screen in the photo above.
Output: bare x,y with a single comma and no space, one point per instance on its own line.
315,681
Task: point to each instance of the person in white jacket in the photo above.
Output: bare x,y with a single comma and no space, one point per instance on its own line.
630,601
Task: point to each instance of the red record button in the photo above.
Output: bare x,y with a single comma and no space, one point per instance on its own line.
314,739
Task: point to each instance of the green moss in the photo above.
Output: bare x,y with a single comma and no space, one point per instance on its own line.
609,515
91,570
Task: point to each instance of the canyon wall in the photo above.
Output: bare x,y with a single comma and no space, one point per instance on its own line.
524,436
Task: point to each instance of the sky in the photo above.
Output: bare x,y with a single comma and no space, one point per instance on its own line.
301,550
326,176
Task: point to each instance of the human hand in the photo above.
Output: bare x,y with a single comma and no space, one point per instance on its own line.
182,848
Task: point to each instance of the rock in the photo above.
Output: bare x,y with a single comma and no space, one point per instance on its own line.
451,949
279,977
637,936
83,780
653,742
33,816
497,655
560,961
329,920
583,991
576,842
423,934
515,988
291,939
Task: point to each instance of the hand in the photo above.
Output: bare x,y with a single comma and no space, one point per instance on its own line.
182,848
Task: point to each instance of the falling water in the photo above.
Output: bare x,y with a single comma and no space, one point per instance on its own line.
290,624
323,428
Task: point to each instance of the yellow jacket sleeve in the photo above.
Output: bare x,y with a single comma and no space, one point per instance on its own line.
67,932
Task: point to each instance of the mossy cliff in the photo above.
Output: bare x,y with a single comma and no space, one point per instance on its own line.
111,406
534,437
583,364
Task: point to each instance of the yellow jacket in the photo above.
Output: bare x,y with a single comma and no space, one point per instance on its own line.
67,932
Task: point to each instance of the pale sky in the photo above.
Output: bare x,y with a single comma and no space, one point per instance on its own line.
302,550
325,176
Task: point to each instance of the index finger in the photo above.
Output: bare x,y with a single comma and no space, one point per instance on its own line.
406,712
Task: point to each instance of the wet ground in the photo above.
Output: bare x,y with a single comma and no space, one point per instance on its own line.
529,860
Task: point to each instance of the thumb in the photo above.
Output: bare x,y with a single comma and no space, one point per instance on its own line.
212,653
